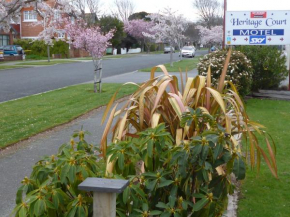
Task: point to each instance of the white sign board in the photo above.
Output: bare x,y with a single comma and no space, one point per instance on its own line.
257,28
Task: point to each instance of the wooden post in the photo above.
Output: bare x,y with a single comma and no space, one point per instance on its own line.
224,24
105,190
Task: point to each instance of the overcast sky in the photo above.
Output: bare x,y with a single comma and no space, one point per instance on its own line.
185,6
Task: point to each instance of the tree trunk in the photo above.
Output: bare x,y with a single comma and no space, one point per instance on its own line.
48,53
97,74
171,55
171,58
142,46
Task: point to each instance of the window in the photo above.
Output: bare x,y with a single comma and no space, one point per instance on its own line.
61,34
29,16
8,48
57,15
72,19
4,40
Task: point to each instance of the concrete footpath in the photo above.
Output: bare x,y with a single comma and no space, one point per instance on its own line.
16,162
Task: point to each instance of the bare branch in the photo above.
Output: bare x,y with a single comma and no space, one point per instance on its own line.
124,9
208,11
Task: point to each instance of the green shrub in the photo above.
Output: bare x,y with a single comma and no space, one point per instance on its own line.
178,146
176,175
39,48
239,71
35,57
268,66
60,47
52,188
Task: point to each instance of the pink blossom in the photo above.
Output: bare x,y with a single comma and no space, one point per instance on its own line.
89,39
213,35
137,28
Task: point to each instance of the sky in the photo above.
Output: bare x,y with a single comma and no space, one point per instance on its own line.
185,7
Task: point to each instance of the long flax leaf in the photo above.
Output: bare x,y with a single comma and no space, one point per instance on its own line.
224,71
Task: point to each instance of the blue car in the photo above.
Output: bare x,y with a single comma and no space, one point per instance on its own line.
12,50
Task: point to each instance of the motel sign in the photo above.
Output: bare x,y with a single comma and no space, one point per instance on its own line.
257,28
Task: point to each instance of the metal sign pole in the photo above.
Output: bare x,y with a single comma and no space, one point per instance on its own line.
288,56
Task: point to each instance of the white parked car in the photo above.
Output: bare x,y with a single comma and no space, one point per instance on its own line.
167,49
188,51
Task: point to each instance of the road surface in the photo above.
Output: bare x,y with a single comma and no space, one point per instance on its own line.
17,83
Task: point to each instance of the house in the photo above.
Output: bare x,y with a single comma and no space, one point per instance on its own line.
29,17
29,27
6,38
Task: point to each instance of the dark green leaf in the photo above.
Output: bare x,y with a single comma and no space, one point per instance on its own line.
22,212
151,185
200,204
121,161
239,168
126,195
72,173
165,214
81,211
176,214
162,205
39,207
218,150
172,201
64,173
150,148
165,183
72,212
19,195
155,212
145,207
204,153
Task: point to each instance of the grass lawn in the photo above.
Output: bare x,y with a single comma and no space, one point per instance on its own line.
263,195
28,116
3,67
189,63
46,63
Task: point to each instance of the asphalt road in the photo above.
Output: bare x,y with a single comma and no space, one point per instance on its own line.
17,83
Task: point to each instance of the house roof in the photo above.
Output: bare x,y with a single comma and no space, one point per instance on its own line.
15,28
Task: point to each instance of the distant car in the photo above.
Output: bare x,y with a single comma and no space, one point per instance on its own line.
1,54
12,50
188,51
168,48
213,48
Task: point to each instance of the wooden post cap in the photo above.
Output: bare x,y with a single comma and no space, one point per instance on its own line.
104,185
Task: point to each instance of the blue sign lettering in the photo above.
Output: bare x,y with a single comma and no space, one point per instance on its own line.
272,22
257,39
248,32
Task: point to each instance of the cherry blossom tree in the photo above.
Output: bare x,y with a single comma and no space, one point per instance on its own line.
93,41
211,36
169,28
51,17
52,22
140,29
10,10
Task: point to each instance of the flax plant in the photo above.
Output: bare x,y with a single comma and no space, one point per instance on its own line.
159,101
